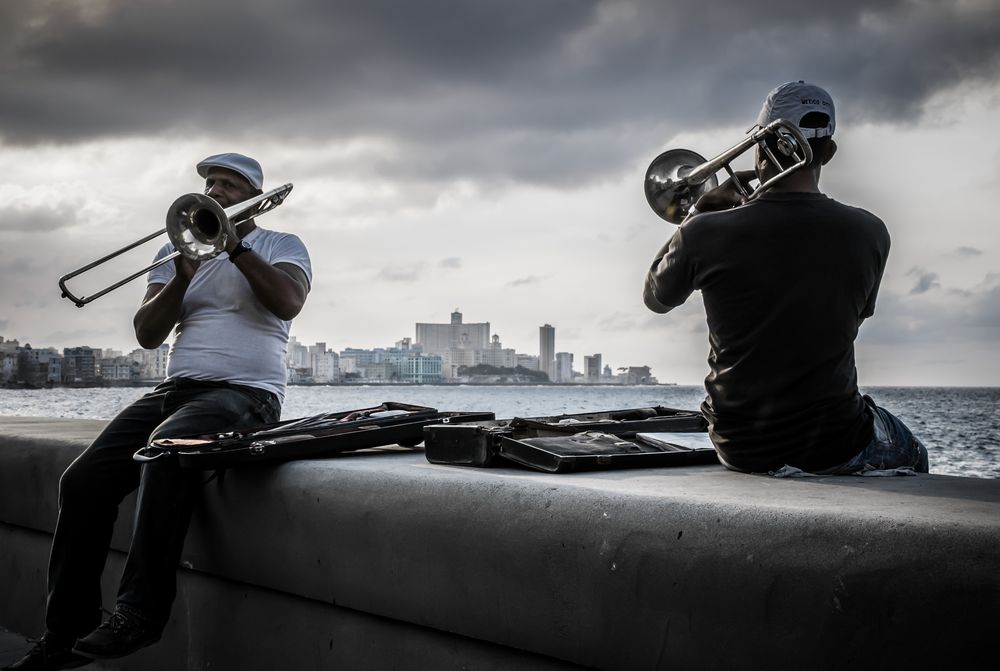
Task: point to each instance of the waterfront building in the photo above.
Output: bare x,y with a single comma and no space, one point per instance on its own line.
362,358
80,365
639,375
563,367
496,355
8,360
325,365
152,362
8,346
455,358
296,354
37,367
592,368
383,371
8,366
461,345
547,350
438,338
298,375
393,364
527,361
417,369
117,369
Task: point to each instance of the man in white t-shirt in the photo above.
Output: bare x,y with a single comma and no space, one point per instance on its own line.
230,316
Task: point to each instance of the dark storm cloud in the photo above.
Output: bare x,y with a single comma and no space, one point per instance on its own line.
475,87
968,251
926,280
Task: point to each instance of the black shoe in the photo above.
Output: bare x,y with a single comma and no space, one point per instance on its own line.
121,634
49,654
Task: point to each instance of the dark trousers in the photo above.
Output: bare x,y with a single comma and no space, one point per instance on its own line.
96,482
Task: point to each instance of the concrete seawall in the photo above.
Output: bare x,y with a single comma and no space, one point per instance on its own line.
381,560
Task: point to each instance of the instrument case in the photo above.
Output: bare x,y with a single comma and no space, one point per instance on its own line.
597,451
317,436
548,444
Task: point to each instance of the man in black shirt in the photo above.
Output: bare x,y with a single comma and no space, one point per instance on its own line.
787,280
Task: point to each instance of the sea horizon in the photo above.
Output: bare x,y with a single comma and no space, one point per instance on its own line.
960,425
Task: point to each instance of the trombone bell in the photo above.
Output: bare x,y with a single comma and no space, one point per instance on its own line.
194,226
677,178
668,190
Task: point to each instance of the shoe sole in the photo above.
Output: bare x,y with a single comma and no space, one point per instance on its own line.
100,654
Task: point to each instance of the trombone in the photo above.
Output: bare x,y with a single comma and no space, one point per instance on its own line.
677,178
195,228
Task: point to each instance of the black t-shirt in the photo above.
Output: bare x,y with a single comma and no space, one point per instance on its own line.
786,281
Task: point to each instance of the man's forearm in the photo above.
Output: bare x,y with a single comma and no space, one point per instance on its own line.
159,313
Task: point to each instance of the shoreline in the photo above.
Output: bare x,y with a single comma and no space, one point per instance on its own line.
153,383
570,385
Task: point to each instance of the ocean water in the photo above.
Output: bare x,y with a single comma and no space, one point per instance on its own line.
959,425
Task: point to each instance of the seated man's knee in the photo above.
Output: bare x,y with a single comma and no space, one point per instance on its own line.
98,479
75,482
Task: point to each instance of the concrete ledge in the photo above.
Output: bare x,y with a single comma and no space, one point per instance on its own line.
222,624
657,568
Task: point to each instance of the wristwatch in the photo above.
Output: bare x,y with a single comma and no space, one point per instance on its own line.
241,248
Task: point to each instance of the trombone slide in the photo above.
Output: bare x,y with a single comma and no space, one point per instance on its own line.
195,228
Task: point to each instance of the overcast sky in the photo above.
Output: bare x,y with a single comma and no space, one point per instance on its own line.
489,156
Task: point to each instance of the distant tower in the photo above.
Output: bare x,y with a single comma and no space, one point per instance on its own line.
564,367
456,317
592,367
547,351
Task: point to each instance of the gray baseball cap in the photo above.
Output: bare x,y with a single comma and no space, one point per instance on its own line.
792,101
239,163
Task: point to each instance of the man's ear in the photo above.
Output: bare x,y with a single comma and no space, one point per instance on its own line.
830,150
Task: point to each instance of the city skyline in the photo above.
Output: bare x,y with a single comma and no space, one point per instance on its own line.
482,340
492,155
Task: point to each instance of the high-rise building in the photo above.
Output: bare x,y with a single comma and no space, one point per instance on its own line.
592,368
564,367
547,351
439,338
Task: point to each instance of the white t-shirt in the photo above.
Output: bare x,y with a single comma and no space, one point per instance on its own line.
224,333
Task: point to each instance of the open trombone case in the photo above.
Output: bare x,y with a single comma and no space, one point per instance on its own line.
638,437
316,436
